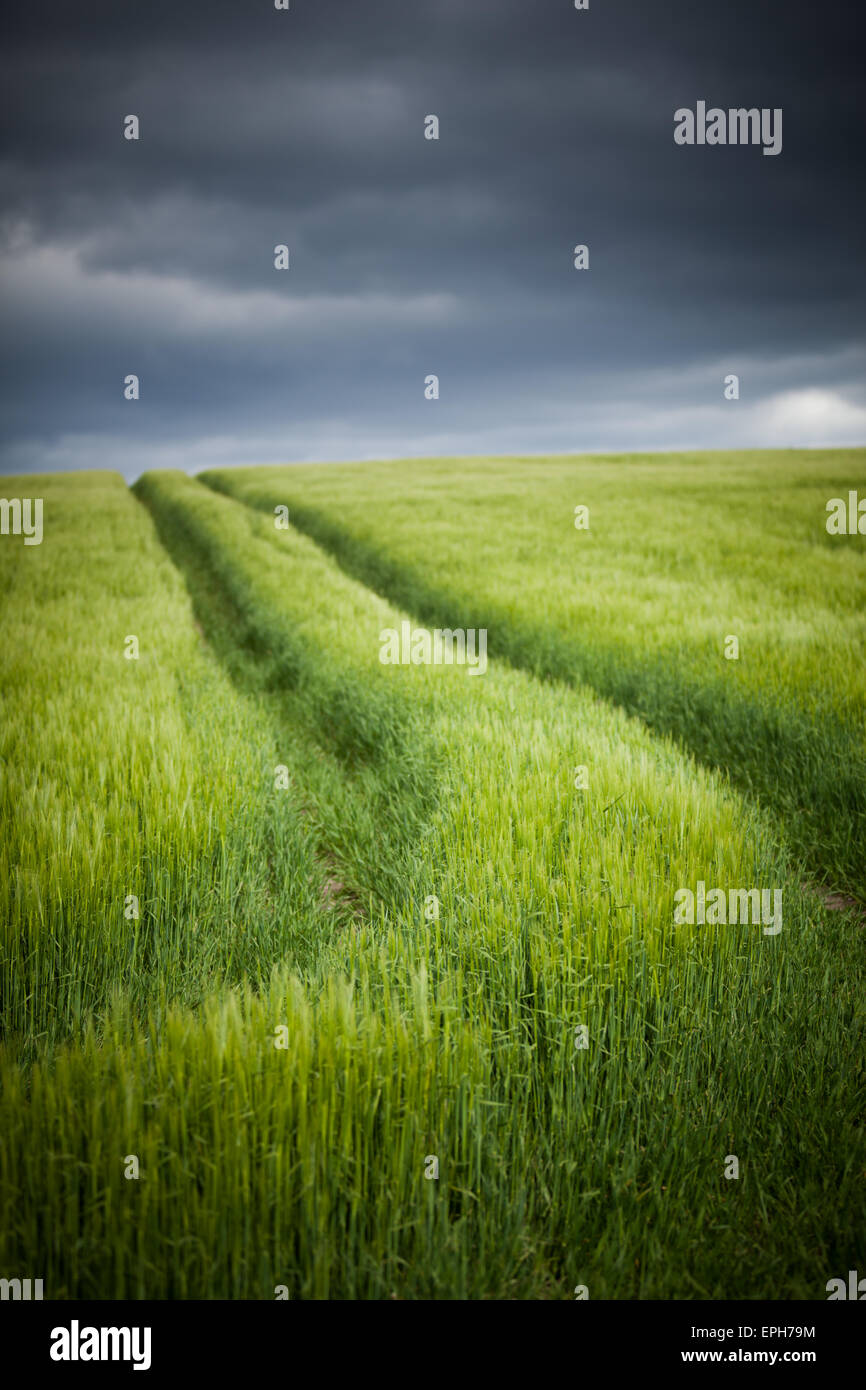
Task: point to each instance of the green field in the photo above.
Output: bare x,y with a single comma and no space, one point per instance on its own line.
287,924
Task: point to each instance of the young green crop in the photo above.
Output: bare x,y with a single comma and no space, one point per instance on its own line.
411,1035
130,779
680,554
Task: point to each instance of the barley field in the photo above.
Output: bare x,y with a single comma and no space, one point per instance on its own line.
327,977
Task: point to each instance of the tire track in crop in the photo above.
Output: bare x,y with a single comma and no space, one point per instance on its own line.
249,652
216,616
811,774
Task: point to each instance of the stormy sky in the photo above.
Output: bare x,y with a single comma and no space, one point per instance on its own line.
410,256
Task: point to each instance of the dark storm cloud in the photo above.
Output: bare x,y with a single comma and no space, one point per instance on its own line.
411,257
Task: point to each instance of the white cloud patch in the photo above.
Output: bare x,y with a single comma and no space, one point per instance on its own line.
810,417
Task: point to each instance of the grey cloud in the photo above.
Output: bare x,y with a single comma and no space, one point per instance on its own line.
411,256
